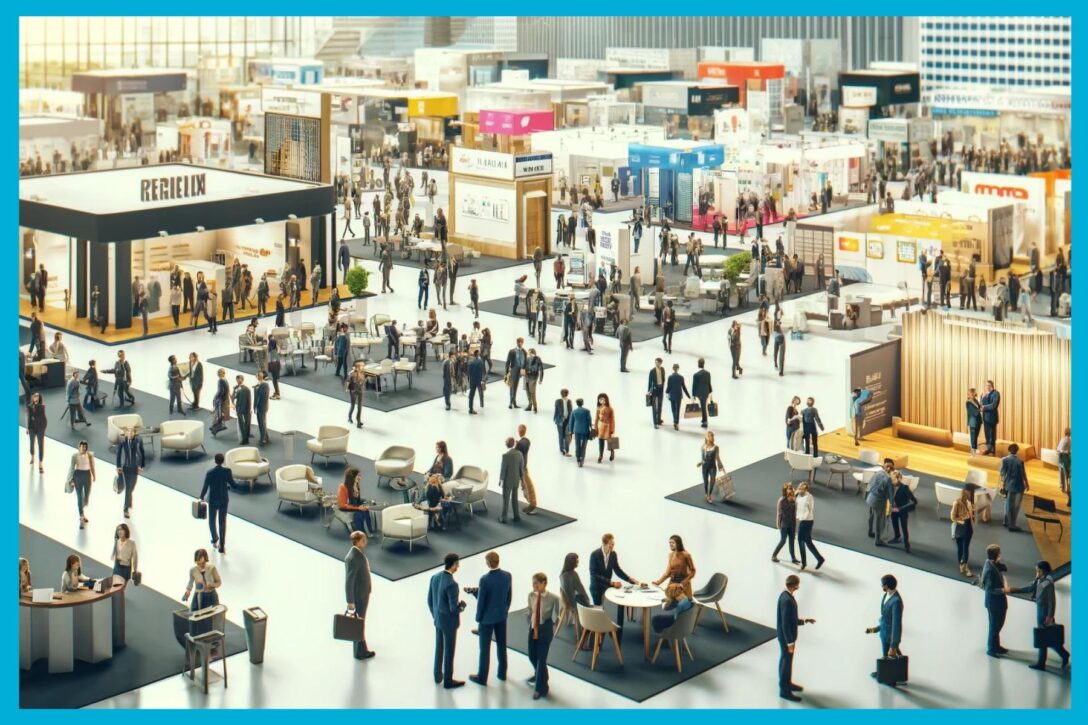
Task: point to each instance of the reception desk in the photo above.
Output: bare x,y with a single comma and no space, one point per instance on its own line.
84,625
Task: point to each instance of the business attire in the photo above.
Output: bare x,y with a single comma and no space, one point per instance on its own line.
446,614
668,324
357,591
877,498
244,411
810,419
260,407
75,407
997,606
581,422
130,458
623,334
701,390
340,348
991,403
903,502
786,629
974,423
561,418
511,473
196,383
1042,592
677,390
216,491
36,424
573,589
493,600
786,522
656,389
207,583
806,519
220,405
601,572
890,626
1014,480
543,616
477,370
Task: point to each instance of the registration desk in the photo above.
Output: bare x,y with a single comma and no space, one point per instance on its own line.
84,625
45,373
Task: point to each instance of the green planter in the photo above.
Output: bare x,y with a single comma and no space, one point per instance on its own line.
357,280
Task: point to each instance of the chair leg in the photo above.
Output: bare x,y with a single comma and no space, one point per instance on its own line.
688,648
657,651
676,652
578,647
616,642
698,615
596,651
224,670
725,625
311,459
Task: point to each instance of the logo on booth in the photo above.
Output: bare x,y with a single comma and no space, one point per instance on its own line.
1015,192
265,252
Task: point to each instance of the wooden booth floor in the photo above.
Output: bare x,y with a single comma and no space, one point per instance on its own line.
58,318
951,464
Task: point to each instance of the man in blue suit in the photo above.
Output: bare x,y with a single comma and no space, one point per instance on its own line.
991,403
446,612
493,598
677,390
217,484
995,599
130,463
580,425
1014,481
890,627
788,622
1042,591
476,372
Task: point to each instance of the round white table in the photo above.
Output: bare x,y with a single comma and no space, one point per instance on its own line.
638,598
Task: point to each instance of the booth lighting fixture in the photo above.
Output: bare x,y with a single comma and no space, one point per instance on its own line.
258,220
292,217
200,229
163,233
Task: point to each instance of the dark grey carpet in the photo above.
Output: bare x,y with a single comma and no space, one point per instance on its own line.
637,679
842,519
150,654
24,335
485,263
259,507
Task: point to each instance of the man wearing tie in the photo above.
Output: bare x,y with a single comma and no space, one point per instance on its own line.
561,418
677,390
260,407
788,622
1042,591
357,588
991,402
1014,482
196,379
243,409
890,627
656,390
994,599
217,484
511,473
493,599
446,612
543,617
603,565
701,388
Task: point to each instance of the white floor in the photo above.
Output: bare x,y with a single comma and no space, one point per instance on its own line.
945,623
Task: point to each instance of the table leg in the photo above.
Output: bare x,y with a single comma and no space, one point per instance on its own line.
646,632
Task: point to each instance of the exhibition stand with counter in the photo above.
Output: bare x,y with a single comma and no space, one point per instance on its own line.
104,229
901,142
52,137
686,108
670,176
121,97
582,155
985,118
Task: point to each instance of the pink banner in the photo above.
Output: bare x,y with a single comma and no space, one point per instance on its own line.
516,123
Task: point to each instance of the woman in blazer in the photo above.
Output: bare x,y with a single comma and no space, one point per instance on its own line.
349,499
711,462
785,521
80,476
974,418
124,553
605,426
443,464
764,330
72,579
963,526
434,498
35,428
806,508
203,577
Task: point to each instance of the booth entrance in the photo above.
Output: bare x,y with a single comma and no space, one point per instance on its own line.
104,230
664,175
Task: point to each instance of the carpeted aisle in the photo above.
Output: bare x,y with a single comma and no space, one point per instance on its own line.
637,679
150,654
842,520
259,507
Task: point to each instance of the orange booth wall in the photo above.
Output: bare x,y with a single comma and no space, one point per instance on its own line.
745,75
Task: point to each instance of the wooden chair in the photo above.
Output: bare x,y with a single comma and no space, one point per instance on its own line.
597,623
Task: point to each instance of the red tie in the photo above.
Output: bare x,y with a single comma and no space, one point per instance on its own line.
536,618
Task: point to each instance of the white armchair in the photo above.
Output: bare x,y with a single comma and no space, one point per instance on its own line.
182,435
247,464
946,495
116,425
293,488
332,440
478,479
404,522
800,461
378,321
395,465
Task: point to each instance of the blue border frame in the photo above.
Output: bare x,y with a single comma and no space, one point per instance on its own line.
638,716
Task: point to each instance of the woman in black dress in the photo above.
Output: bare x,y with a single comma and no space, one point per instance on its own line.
35,428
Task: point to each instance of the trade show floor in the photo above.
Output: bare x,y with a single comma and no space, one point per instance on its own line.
479,265
66,320
626,203
842,516
807,216
637,679
468,536
151,652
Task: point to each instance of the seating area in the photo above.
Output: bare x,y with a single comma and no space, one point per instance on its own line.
331,442
182,436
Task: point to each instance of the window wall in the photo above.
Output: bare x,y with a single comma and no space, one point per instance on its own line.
51,49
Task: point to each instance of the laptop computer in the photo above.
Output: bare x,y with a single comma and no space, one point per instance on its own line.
42,595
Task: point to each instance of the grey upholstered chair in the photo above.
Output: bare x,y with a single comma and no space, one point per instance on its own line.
711,595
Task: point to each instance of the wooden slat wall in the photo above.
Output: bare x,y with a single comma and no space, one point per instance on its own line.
944,355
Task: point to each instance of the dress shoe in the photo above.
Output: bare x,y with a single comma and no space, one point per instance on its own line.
536,695
993,654
454,684
872,535
530,511
676,426
820,563
794,561
796,688
437,677
366,655
477,680
475,630
1002,650
789,696
531,680
774,559
1038,666
501,677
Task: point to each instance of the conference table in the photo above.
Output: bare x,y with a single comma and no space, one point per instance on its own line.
633,597
84,625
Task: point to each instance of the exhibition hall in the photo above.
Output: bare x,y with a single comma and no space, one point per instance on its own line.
711,271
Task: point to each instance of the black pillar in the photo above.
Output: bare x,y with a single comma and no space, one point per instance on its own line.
122,284
79,289
98,263
318,247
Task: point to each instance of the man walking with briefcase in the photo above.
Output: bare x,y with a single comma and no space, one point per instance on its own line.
357,587
891,668
216,490
1048,635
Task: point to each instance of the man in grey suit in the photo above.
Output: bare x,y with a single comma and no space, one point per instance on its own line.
877,497
357,587
701,387
511,471
1014,481
623,334
243,408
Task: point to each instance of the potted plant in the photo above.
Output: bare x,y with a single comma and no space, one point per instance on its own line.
357,279
733,266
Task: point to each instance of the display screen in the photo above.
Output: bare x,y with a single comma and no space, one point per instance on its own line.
292,146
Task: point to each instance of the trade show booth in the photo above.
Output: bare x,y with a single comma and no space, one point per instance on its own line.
987,118
885,93
509,130
199,140
686,108
395,70
499,203
625,81
131,101
901,142
285,71
52,138
104,229
34,101
583,155
671,175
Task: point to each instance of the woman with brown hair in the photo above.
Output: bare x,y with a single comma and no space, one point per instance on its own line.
349,499
680,569
963,526
205,578
605,425
785,521
711,463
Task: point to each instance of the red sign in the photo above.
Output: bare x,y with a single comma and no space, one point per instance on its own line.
1015,192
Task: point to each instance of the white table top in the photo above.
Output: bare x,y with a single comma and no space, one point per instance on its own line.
637,597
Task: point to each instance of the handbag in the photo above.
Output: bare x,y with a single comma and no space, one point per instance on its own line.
723,487
506,380
1050,635
119,483
649,400
693,410
957,530
614,443
137,578
891,670
712,409
348,627
200,510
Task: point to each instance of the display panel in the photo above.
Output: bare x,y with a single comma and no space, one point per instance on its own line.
487,212
292,146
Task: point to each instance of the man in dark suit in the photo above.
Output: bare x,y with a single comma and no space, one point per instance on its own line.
890,627
493,598
260,407
392,338
515,368
130,463
995,601
623,334
446,612
196,379
603,565
90,383
581,423
561,418
217,484
243,409
448,366
668,324
75,407
122,373
477,371
1014,482
903,502
655,388
511,472
1042,591
788,622
677,390
591,238
357,588
991,403
701,388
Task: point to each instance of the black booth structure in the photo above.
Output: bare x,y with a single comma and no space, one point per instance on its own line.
105,228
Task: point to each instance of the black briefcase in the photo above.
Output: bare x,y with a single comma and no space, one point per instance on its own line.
1052,635
347,627
200,510
712,409
891,670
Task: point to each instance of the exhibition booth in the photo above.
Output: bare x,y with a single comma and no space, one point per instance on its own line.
132,98
199,140
52,137
904,141
396,71
241,105
672,175
986,118
626,81
499,203
34,101
686,108
509,130
681,61
582,155
453,70
285,71
104,229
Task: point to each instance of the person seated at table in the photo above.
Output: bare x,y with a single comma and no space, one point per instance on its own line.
463,343
475,334
73,578
680,569
676,603
570,584
349,499
25,583
435,502
432,323
451,334
442,464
